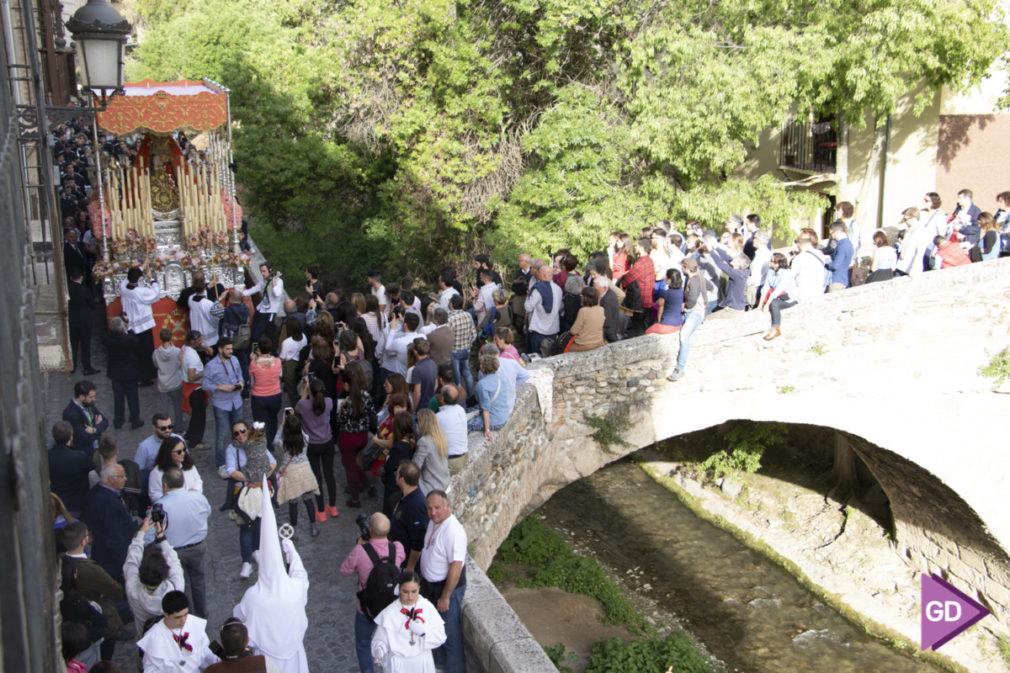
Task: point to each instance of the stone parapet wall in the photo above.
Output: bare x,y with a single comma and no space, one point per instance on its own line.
893,365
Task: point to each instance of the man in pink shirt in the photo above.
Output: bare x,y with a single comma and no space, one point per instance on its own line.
359,561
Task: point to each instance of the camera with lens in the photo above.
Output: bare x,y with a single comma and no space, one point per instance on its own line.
363,528
157,513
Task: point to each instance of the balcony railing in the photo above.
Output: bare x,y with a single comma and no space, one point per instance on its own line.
809,147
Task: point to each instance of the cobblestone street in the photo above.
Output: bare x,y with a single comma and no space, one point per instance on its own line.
329,642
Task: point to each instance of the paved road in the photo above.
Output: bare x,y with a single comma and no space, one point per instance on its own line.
329,642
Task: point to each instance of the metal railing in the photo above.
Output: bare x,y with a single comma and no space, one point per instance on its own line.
809,147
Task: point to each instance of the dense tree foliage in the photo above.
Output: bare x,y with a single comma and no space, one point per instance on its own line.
403,134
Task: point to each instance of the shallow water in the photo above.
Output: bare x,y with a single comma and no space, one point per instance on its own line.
750,613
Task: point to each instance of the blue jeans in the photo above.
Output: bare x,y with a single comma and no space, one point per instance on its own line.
691,321
363,631
223,420
534,339
775,308
461,370
249,539
476,424
450,655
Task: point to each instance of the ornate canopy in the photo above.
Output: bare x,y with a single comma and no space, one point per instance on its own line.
164,107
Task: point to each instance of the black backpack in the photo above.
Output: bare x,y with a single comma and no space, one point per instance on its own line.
381,583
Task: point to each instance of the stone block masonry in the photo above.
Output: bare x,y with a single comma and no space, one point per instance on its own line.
893,366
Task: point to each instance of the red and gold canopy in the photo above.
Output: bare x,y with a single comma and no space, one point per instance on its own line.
164,107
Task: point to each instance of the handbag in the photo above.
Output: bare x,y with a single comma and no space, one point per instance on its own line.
368,455
632,302
562,343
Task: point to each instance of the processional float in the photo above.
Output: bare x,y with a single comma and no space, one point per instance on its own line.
173,213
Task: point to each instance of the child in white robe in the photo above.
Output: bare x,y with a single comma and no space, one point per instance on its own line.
408,630
178,643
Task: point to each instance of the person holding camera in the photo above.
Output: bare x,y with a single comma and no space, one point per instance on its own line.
272,288
371,549
185,514
150,572
222,377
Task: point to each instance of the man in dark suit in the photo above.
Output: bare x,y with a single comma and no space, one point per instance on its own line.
94,583
612,322
74,257
80,314
109,521
68,469
85,418
124,371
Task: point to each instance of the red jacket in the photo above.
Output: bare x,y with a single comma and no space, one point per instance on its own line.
643,273
952,254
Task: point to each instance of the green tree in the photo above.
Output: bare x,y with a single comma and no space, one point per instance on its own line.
409,135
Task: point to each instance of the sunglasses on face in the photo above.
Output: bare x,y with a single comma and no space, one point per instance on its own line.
179,452
239,432
165,427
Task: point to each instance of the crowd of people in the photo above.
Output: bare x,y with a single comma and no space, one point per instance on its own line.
393,379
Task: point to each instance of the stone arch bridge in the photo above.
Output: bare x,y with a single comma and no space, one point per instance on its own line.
894,366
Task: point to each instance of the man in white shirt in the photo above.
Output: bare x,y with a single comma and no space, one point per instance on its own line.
186,513
451,419
445,289
192,389
378,291
272,288
397,341
178,643
443,576
543,308
201,315
137,301
483,300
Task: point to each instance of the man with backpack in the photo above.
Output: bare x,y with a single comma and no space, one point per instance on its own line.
377,562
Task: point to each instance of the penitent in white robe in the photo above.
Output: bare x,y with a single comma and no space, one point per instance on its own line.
391,642
273,609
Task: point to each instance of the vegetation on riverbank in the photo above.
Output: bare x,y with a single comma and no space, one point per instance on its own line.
548,561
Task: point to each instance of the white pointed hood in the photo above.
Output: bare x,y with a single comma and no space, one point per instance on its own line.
273,609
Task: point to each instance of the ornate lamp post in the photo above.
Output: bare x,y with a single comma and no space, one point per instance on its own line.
100,34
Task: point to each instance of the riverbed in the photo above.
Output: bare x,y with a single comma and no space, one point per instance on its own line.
747,611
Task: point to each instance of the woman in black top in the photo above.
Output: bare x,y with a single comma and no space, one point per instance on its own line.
403,449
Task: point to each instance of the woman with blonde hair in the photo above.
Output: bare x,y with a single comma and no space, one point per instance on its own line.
432,453
358,301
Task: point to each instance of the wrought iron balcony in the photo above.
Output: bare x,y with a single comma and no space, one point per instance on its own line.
809,147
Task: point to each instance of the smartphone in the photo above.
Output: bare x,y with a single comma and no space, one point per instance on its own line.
288,411
312,377
256,346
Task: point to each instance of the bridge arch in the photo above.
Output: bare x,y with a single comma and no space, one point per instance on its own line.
892,367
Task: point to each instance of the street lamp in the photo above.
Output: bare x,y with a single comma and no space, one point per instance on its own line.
100,34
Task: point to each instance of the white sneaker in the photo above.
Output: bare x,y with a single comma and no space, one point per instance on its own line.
223,472
256,557
246,571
